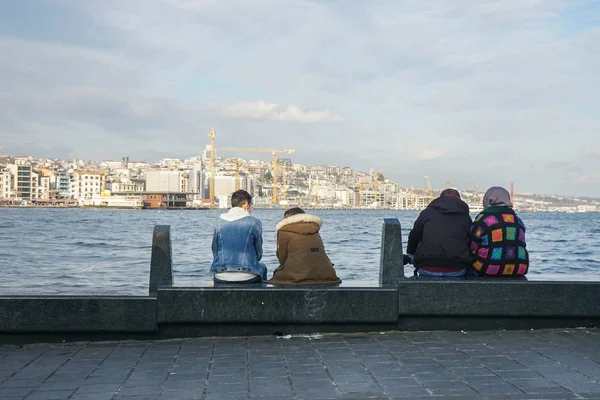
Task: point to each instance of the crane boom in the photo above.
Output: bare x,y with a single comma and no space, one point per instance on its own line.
211,136
275,153
430,189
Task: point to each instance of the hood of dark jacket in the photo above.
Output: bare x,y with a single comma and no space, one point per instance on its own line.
305,224
449,205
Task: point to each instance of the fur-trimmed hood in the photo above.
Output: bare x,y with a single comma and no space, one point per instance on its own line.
300,223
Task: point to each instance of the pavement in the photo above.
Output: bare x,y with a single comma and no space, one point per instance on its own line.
542,364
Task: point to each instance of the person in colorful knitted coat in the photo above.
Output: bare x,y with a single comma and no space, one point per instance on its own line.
497,239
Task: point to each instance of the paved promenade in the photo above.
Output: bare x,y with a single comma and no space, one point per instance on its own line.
546,364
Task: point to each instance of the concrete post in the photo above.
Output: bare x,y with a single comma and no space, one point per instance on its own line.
391,266
161,261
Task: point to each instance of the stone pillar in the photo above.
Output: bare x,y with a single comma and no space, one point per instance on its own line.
391,265
161,262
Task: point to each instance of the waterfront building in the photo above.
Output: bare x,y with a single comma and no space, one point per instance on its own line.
166,181
24,179
85,184
5,184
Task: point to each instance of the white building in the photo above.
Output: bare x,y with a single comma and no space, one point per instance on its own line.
24,181
198,182
125,185
225,185
5,184
166,181
85,184
44,188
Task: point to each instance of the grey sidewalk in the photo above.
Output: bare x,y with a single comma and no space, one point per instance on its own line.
547,364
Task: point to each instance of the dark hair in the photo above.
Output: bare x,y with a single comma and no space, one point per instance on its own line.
450,193
239,197
293,211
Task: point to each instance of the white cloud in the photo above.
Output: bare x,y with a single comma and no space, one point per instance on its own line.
430,155
495,164
263,110
594,153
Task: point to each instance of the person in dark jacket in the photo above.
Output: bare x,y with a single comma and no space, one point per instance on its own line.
438,243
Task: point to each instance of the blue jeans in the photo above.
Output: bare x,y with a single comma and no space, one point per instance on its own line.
423,272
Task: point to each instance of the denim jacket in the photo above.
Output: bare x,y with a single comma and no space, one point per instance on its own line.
237,243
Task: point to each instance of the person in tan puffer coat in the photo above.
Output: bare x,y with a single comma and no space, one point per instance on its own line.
301,252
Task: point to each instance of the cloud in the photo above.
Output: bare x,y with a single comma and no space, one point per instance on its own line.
594,153
495,165
557,165
263,110
588,180
430,155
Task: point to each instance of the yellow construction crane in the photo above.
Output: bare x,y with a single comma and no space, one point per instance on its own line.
360,188
275,153
429,188
211,190
237,163
411,197
376,182
284,182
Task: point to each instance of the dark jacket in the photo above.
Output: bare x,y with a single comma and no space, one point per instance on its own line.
439,237
301,253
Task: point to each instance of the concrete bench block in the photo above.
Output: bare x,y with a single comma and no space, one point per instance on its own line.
314,305
498,298
77,314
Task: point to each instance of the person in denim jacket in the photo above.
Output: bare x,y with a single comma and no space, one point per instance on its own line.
237,244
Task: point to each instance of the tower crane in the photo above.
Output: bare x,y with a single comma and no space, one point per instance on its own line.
360,188
275,153
376,182
429,188
284,182
238,163
211,190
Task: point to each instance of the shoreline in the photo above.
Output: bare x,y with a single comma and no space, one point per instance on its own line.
259,208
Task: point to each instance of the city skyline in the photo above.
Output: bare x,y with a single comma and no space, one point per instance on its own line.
168,163
487,93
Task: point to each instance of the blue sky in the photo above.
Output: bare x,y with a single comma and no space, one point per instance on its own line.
478,92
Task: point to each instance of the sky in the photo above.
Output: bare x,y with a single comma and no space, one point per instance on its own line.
478,92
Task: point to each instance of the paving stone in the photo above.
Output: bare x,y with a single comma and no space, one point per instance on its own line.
191,384
97,388
14,392
445,385
92,396
139,391
506,389
227,396
407,391
228,388
20,383
272,390
180,394
50,395
313,394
